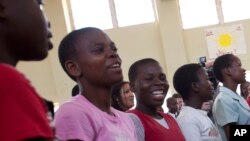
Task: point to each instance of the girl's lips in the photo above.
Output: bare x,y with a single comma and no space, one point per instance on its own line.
50,45
115,69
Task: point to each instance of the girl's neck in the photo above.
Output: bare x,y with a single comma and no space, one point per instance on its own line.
99,96
149,111
194,101
231,86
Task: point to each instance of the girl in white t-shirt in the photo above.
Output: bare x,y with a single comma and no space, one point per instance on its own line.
192,83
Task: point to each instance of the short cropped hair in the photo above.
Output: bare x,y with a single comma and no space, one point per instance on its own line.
67,47
184,77
133,69
176,95
221,63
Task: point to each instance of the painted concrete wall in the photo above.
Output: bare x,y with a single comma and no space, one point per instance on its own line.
164,41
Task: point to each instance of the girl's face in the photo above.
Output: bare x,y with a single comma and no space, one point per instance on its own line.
180,103
127,97
205,86
238,73
150,85
172,105
98,60
28,33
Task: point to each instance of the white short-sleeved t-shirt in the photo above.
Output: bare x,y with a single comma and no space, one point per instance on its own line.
196,125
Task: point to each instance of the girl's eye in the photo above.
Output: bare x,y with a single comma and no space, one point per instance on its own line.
126,91
98,49
148,78
114,48
163,77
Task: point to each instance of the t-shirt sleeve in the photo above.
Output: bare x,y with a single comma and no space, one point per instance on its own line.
72,123
24,115
225,112
139,127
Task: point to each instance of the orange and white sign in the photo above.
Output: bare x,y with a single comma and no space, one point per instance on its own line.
225,39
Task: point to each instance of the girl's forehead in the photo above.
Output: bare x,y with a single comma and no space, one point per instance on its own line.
236,59
94,37
152,66
202,73
96,34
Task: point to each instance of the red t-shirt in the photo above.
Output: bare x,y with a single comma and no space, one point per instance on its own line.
23,112
248,100
156,132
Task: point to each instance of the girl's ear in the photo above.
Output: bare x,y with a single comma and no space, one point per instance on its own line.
132,86
73,68
194,86
227,71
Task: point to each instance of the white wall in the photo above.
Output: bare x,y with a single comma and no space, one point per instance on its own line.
164,41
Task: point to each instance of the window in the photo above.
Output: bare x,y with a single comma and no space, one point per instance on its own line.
131,12
234,10
197,13
107,14
89,13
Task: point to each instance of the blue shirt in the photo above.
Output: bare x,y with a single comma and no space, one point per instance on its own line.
230,107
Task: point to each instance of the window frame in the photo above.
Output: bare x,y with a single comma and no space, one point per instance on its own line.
220,15
69,14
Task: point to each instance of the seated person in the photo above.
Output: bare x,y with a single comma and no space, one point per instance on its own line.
172,107
90,58
192,83
180,102
229,108
122,97
25,36
149,83
245,90
207,106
